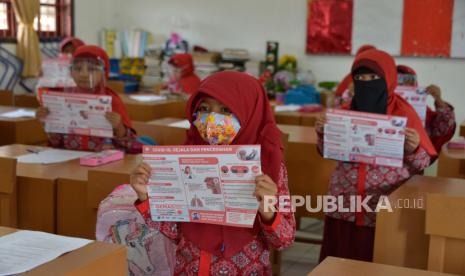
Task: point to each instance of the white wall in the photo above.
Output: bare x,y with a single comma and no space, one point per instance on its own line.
217,24
90,16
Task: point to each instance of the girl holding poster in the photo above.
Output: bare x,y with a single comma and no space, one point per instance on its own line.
236,109
440,123
351,234
90,67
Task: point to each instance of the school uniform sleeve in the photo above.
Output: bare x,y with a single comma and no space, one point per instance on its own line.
281,232
128,142
55,140
169,229
417,161
320,142
444,122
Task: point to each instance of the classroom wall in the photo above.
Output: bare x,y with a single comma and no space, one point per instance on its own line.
217,24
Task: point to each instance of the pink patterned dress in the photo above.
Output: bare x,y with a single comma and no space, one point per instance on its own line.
253,259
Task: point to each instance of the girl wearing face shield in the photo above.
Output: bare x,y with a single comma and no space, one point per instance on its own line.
351,234
440,123
89,69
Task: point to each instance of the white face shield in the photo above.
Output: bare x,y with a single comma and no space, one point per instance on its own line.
88,74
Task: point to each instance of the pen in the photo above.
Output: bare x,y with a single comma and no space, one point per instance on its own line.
33,151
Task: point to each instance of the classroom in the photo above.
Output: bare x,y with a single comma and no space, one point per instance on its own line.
247,137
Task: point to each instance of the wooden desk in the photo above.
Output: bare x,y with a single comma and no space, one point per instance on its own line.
20,130
445,225
296,118
401,237
116,85
54,198
96,258
308,172
147,111
332,266
462,129
26,100
6,98
451,163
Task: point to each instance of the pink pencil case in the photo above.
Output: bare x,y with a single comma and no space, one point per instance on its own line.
457,143
101,158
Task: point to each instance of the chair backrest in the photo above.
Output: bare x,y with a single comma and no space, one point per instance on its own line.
8,194
7,78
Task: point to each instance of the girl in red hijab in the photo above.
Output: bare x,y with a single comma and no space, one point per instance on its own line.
238,106
183,78
346,84
440,124
351,234
69,45
90,69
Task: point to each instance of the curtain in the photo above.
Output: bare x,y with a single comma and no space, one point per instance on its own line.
28,41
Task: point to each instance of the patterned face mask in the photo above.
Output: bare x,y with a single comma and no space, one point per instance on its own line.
217,129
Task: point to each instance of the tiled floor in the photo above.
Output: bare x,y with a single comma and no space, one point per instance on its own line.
301,258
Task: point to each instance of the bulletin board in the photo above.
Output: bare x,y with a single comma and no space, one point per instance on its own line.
419,28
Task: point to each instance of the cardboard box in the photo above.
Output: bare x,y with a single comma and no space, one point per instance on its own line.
96,258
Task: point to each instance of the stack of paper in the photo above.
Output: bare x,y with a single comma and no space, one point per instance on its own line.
25,250
51,156
20,113
148,98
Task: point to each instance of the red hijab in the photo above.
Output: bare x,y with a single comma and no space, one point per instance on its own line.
247,100
95,52
76,42
383,64
439,141
345,83
189,81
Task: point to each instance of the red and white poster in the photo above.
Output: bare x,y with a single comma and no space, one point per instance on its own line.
364,138
73,113
56,73
205,184
416,97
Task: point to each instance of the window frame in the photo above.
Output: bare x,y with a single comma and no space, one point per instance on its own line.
65,23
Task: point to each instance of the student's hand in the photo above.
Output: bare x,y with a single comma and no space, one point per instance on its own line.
320,123
412,140
139,180
265,186
435,92
117,123
42,113
351,90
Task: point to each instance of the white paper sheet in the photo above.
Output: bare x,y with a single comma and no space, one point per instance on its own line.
24,250
204,184
181,124
285,108
51,156
368,138
147,98
20,113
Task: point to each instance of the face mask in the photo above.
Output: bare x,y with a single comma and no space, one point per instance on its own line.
217,129
370,96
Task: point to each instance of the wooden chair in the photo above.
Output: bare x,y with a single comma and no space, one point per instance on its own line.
445,225
6,98
8,193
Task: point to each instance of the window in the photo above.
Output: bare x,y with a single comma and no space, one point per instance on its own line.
54,22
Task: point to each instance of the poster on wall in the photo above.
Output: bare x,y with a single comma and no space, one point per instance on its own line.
420,28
